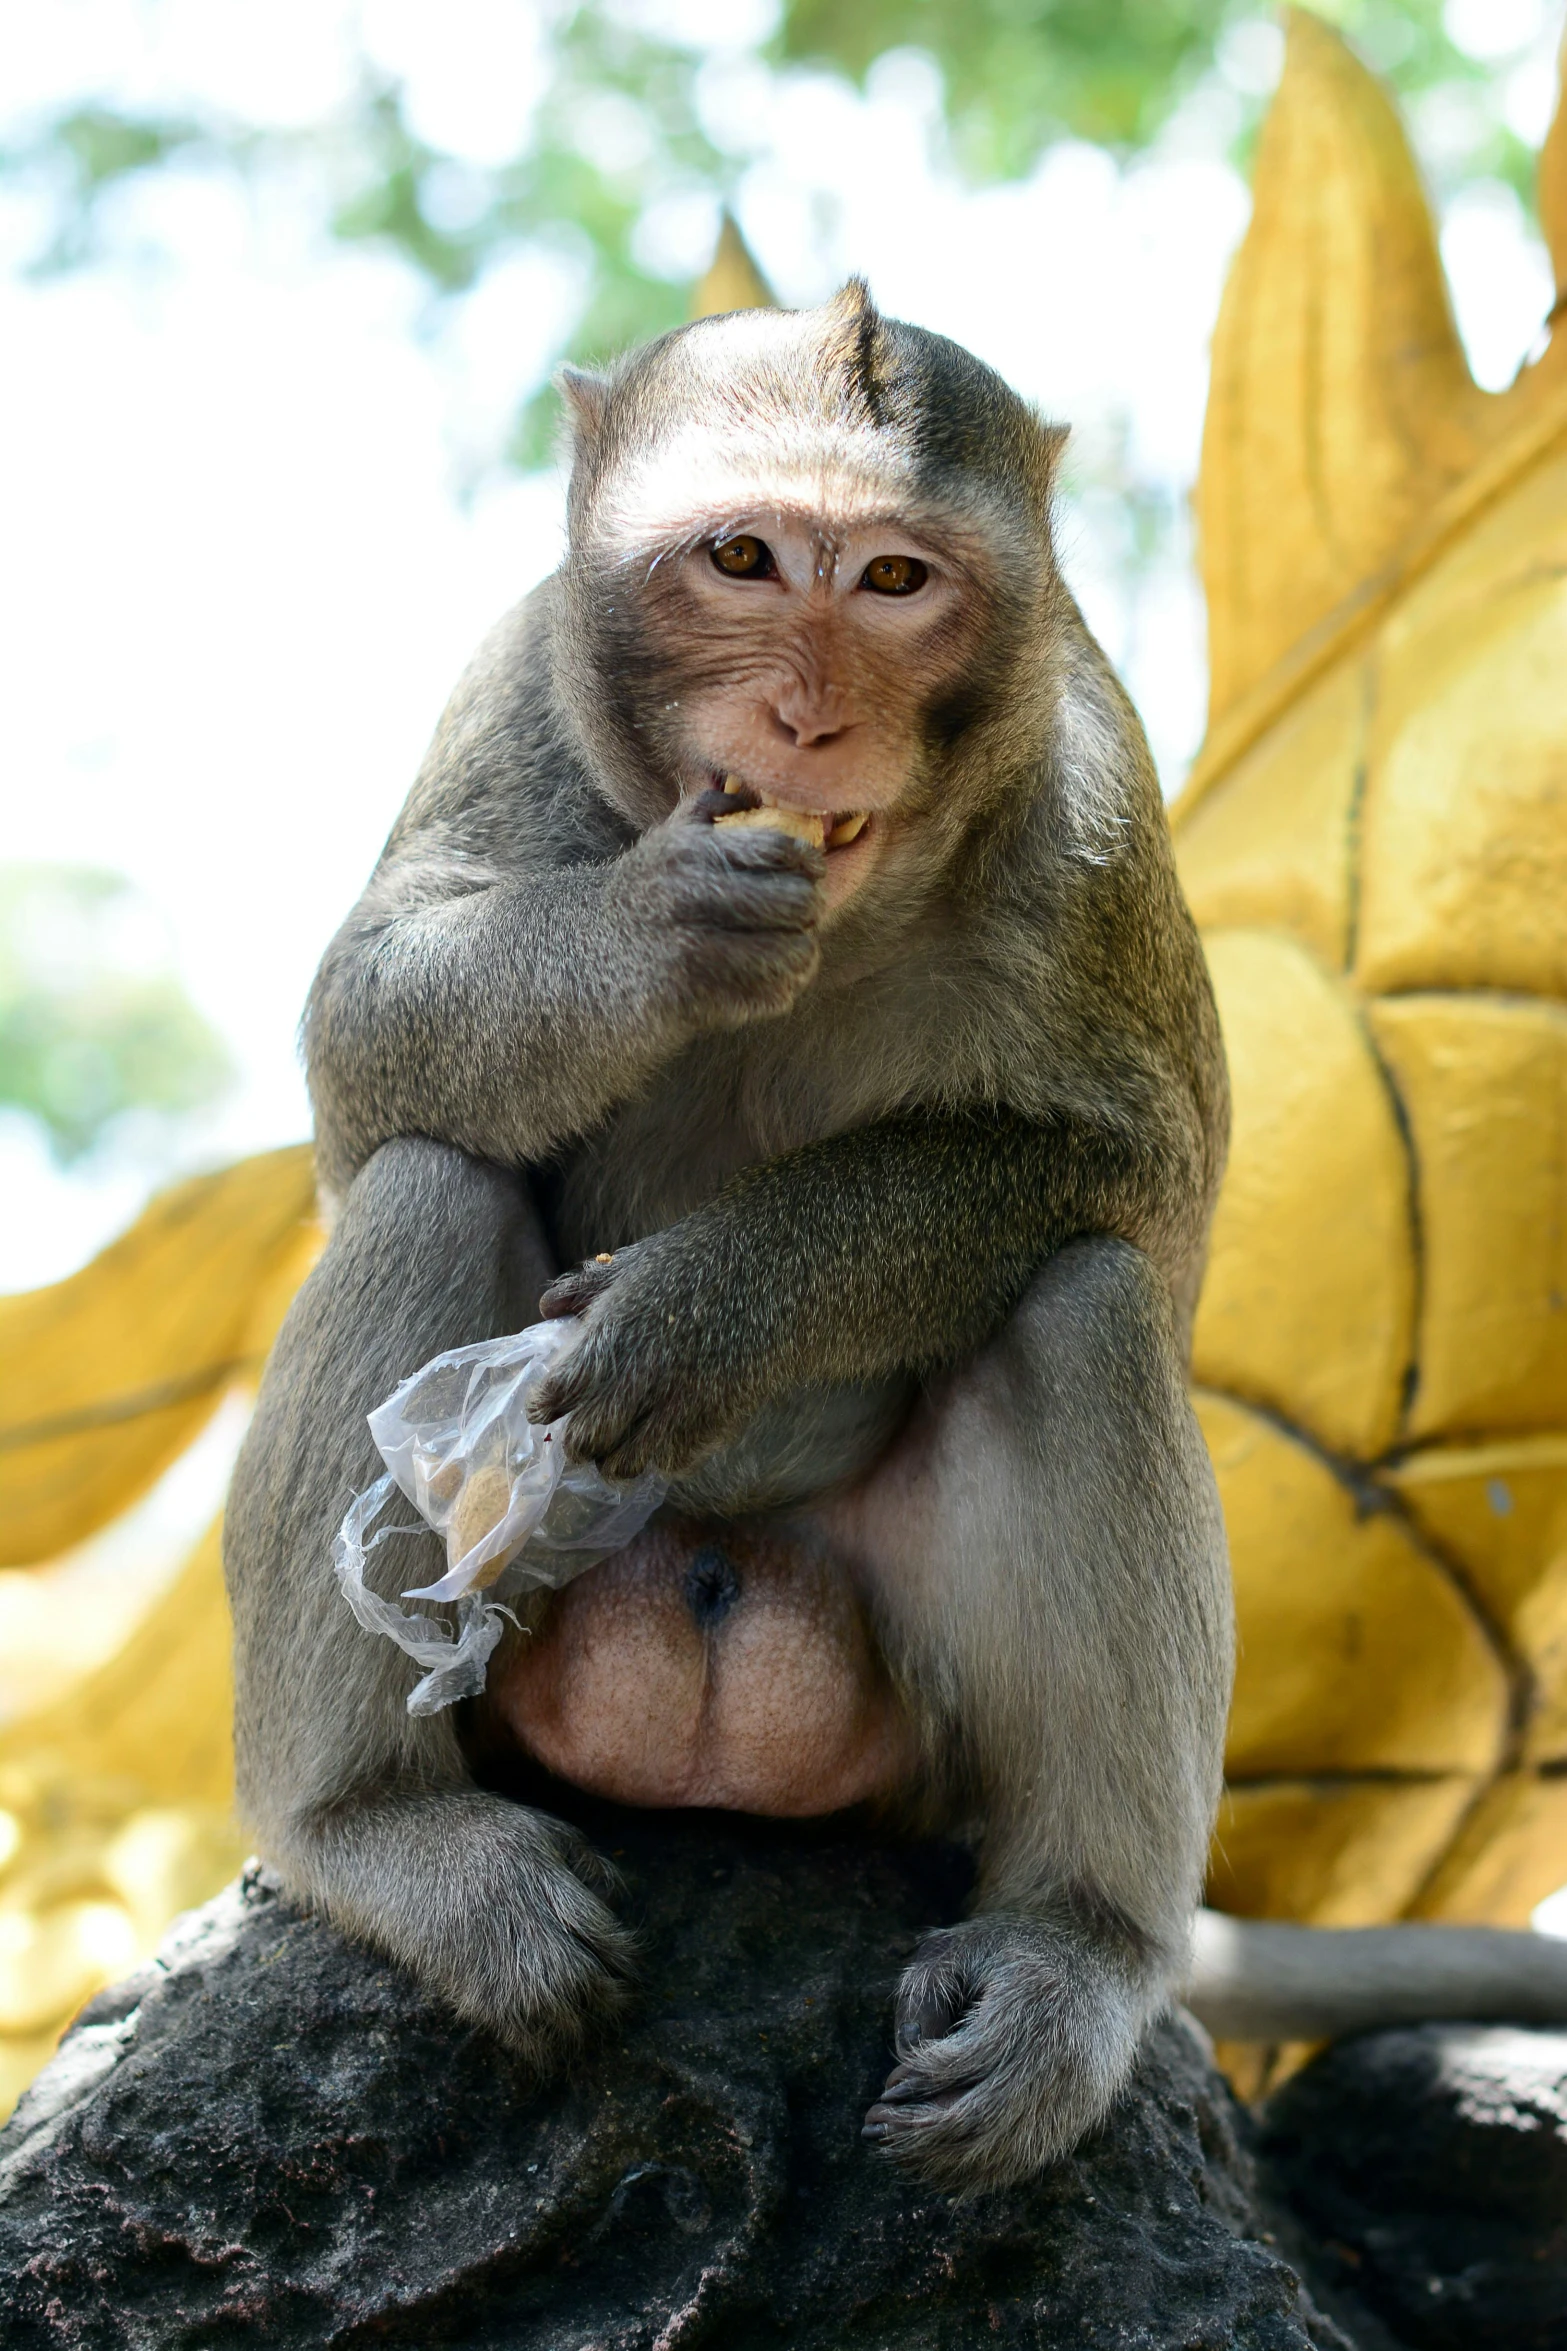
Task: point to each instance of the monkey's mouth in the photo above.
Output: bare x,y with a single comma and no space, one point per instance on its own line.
825,828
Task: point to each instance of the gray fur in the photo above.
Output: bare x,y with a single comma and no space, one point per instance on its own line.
839,1168
369,1811
1047,1560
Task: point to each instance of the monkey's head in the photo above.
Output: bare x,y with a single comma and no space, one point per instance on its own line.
810,553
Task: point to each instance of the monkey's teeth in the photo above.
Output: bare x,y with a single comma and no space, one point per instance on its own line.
733,784
848,828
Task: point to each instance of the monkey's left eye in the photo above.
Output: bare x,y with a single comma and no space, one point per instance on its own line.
745,558
895,575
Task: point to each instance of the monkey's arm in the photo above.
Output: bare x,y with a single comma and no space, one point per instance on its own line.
504,1012
900,1246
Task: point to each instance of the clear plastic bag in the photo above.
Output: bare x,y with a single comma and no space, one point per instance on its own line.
514,1512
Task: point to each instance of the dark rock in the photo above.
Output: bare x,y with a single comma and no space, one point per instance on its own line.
269,2137
1432,2165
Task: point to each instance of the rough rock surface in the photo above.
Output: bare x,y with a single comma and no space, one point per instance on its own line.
269,2137
1431,2165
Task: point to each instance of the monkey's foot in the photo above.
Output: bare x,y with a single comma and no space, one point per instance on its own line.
1014,2038
499,1910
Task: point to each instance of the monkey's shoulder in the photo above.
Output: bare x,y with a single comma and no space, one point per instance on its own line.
505,773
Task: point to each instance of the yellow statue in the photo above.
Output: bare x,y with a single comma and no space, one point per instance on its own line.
1375,843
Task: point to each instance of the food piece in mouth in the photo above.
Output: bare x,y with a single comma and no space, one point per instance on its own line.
801,824
798,823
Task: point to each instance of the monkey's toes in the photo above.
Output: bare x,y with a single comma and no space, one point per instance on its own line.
540,1959
1013,2040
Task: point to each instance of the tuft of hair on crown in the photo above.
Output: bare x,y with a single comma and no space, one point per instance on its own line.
852,350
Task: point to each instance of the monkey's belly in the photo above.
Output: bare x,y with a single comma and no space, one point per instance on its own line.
735,1673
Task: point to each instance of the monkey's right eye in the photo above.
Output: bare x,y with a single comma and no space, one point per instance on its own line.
744,558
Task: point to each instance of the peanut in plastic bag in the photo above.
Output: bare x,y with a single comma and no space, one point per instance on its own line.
514,1512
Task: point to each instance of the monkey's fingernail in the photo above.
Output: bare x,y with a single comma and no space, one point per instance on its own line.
875,2130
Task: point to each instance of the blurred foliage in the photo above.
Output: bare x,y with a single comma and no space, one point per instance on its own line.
1019,73
89,149
450,220
1016,75
91,1028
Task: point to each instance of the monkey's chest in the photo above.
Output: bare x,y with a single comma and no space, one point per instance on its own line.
686,1671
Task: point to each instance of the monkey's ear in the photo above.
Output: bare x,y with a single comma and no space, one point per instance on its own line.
585,395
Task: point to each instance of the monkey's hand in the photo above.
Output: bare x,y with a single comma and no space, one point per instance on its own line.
721,924
649,1385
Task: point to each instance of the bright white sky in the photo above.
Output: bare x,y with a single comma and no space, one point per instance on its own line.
239,574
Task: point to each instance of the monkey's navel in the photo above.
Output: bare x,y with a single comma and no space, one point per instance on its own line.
711,1588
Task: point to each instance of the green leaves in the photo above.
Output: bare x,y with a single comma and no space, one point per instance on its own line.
90,1027
1020,73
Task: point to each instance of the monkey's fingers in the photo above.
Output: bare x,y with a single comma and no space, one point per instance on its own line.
705,806
613,1432
629,1426
628,1434
601,1402
574,1291
738,901
767,850
569,1385
937,1994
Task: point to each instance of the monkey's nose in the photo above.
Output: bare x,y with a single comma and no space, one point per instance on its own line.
806,730
808,712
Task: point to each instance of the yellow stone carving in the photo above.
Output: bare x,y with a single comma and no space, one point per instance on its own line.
108,1376
1492,1875
1383,791
1499,1513
1358,1650
116,1800
1484,1086
1464,880
1308,1302
1340,396
1334,1852
1267,843
733,281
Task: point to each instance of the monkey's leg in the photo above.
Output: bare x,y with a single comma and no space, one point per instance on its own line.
368,1812
1048,1568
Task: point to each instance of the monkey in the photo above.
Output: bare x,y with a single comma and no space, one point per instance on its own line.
874,1143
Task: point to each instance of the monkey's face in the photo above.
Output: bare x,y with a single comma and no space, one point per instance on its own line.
810,556
810,651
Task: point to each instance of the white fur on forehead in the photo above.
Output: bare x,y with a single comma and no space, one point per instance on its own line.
738,444
713,476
